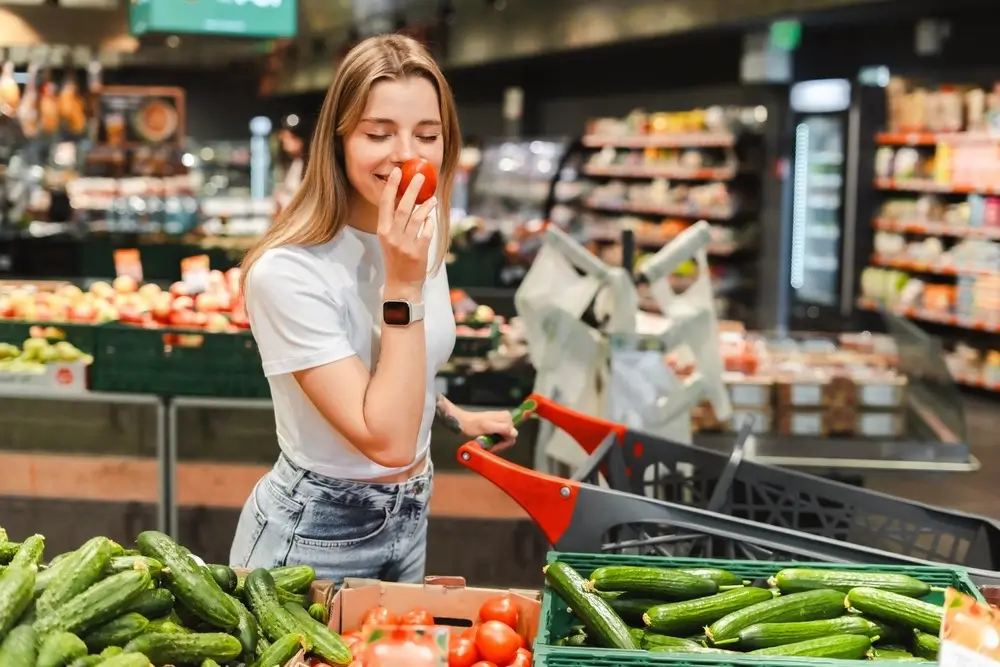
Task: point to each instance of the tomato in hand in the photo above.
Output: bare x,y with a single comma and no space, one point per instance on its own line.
411,168
379,616
497,642
462,653
417,616
485,663
521,659
501,608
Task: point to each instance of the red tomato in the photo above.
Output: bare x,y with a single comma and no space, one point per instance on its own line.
484,663
379,616
497,642
411,168
470,632
501,608
521,659
462,653
417,616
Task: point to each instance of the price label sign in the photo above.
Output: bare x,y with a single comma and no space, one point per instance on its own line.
128,263
195,272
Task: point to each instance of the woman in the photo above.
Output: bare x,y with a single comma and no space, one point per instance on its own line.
293,137
336,292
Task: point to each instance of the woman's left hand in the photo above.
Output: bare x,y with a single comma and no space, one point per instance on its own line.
493,422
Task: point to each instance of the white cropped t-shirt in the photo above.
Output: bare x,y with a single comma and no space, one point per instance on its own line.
313,305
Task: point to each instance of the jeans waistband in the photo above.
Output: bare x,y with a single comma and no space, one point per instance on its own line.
293,478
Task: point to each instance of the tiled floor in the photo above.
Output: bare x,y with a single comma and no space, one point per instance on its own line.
977,492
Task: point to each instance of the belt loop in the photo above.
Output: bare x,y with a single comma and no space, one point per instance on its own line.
298,475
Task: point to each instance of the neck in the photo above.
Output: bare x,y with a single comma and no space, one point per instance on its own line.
362,215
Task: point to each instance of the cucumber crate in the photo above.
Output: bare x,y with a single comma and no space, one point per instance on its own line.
557,621
178,363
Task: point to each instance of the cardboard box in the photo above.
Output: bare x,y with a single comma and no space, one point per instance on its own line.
448,598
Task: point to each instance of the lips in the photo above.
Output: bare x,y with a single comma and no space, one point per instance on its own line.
382,178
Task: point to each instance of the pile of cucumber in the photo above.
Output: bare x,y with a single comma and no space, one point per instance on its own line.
154,605
810,613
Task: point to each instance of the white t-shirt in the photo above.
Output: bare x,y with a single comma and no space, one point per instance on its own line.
313,305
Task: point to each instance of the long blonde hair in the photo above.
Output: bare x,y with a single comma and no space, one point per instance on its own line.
319,209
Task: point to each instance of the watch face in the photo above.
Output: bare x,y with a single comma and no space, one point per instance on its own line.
396,313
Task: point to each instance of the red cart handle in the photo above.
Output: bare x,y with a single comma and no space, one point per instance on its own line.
588,431
548,500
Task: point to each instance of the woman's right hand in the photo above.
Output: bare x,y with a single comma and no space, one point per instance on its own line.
404,247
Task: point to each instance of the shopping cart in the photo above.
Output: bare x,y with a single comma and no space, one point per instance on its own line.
700,503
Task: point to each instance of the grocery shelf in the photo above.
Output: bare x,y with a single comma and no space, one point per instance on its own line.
905,264
664,140
679,211
934,138
929,186
935,228
924,315
676,172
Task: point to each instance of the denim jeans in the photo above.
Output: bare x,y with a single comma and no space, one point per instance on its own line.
341,528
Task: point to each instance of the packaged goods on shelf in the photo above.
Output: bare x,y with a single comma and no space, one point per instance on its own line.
812,386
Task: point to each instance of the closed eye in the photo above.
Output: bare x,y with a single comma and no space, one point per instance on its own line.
377,137
429,138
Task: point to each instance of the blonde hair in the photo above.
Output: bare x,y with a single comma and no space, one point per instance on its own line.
319,209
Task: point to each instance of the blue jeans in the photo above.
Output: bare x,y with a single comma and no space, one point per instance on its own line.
342,528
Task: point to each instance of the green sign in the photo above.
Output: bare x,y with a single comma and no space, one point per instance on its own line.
241,18
786,35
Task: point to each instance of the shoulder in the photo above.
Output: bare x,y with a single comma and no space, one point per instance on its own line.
283,262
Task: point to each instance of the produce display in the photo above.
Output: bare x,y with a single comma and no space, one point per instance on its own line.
106,605
808,613
33,355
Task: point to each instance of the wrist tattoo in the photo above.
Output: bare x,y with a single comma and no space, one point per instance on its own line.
448,420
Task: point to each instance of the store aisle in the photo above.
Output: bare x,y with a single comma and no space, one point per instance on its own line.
975,492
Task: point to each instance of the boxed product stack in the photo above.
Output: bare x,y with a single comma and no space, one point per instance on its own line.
812,386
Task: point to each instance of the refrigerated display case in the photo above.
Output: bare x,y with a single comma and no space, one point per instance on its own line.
816,217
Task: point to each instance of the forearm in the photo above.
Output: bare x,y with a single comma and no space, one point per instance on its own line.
448,414
394,400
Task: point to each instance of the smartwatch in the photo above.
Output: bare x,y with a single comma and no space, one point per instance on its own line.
401,313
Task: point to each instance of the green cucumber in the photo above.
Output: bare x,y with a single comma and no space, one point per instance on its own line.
117,632
844,647
720,577
59,649
85,567
95,606
765,635
126,660
112,651
807,606
679,618
30,552
153,603
7,551
166,626
224,576
652,582
122,563
648,640
319,612
601,621
57,568
631,609
3,534
17,588
689,649
285,597
262,645
294,578
20,647
248,632
168,649
796,580
326,643
189,582
262,599
283,650
895,608
87,661
890,653
926,646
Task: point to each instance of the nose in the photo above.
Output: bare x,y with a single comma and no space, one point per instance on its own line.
403,149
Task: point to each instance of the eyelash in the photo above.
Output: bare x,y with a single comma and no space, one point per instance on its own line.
382,137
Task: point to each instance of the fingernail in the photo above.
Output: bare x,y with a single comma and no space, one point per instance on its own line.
432,202
396,171
514,432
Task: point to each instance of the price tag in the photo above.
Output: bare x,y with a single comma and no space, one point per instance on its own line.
128,263
194,273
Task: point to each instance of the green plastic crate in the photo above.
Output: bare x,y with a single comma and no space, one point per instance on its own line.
178,363
83,336
556,620
546,656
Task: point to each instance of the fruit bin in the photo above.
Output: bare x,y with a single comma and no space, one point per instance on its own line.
701,479
556,619
178,363
83,336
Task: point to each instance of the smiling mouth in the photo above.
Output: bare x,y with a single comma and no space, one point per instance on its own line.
384,179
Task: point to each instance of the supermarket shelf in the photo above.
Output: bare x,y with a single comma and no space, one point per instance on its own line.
934,138
925,315
929,186
938,269
977,383
672,140
649,241
838,454
935,228
676,172
677,211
